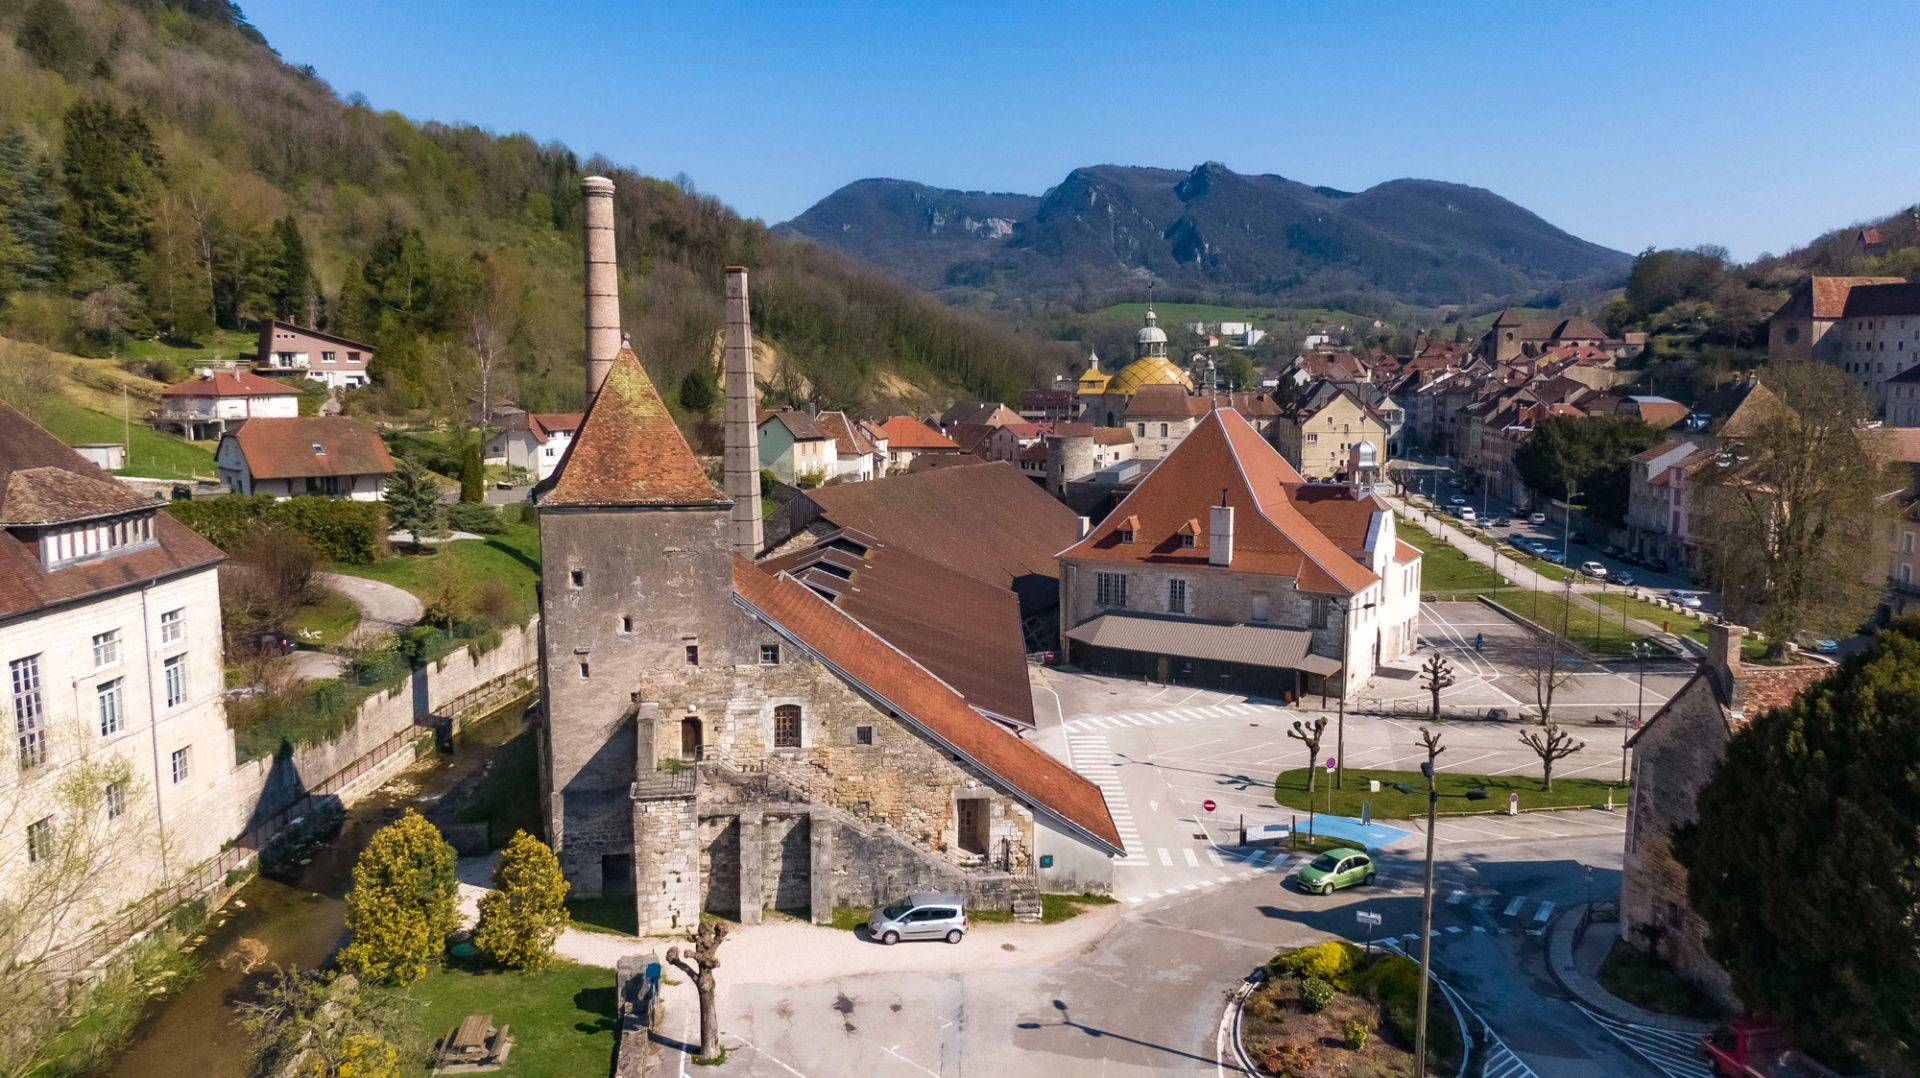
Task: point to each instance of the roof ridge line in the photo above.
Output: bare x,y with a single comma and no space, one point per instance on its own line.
1258,508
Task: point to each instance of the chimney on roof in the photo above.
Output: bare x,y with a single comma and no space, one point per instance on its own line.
603,282
1220,533
1723,663
742,434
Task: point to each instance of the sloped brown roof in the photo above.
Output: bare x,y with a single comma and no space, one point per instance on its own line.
1166,401
971,437
627,450
967,632
547,424
988,521
906,688
800,426
1224,457
1112,436
234,384
1879,300
906,432
25,583
1034,454
284,448
1404,551
1341,517
848,439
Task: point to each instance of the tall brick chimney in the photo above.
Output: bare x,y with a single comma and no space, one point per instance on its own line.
603,282
742,408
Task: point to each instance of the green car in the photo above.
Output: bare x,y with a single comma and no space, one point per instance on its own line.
1335,869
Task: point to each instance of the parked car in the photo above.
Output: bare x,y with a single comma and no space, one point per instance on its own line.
264,645
1754,1048
1578,537
1466,514
1333,870
1611,551
1555,557
1625,580
1691,602
1628,557
1502,522
1658,565
1536,518
1456,500
1519,540
929,916
1826,647
1594,569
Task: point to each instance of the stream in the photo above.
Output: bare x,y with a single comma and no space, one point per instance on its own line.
301,921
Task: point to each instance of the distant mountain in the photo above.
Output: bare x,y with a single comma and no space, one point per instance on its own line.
1108,228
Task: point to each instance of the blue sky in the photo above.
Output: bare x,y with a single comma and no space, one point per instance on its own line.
1756,124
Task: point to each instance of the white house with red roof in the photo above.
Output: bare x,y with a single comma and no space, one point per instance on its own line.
1224,567
534,441
208,404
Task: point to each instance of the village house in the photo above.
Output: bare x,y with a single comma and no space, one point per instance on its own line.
205,405
331,456
288,349
110,629
533,441
856,458
1511,337
985,413
1160,416
1317,433
1674,755
1056,405
1656,527
1223,567
795,449
908,439
716,735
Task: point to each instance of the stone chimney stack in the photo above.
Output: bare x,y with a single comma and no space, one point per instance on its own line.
603,282
1723,663
1220,534
742,431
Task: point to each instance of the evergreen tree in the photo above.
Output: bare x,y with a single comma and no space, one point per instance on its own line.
112,169
524,914
1804,861
413,500
293,279
30,208
53,38
473,479
401,907
697,390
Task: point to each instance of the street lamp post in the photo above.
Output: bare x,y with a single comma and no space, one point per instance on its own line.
1642,650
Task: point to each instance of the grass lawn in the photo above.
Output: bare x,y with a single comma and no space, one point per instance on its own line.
1646,982
1290,790
151,454
513,556
508,799
1679,624
1443,567
563,1017
1550,610
325,623
221,344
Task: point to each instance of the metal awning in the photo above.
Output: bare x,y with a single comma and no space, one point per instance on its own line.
1252,645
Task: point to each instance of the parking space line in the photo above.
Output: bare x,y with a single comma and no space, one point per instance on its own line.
1165,857
1513,907
1545,911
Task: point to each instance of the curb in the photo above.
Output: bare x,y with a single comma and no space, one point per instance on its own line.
1588,992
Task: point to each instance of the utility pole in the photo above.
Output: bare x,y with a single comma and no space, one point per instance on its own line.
1430,741
1641,649
1340,731
126,424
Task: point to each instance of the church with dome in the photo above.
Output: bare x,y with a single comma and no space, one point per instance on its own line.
1104,398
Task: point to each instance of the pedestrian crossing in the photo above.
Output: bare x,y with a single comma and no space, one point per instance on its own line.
1092,757
1226,710
1240,863
1671,1052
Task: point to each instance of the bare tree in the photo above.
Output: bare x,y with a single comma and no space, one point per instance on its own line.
1437,674
706,958
1310,737
1551,744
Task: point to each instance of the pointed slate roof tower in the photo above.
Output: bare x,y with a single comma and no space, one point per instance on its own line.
628,451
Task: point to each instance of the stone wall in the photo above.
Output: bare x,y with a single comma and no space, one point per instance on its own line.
1673,757
786,861
666,865
720,838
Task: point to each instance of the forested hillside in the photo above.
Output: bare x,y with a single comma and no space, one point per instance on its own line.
164,175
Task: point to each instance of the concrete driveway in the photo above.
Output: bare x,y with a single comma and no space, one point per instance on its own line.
383,607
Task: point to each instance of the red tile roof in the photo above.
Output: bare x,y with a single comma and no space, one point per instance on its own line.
972,437
848,439
1829,295
547,424
628,450
906,432
1166,401
223,384
1226,457
925,702
27,455
284,448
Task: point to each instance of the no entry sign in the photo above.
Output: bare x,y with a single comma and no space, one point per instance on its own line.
1208,805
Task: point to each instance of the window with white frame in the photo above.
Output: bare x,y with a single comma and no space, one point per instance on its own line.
1110,589
29,713
1176,596
182,764
174,673
40,840
107,697
106,648
116,800
173,626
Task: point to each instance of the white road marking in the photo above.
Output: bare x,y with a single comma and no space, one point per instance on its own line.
1545,911
909,1062
1165,857
1192,860
1214,856
1456,898
1513,907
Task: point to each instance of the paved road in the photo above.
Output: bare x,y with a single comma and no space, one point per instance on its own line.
383,607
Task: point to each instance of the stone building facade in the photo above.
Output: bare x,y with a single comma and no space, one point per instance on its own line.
1673,757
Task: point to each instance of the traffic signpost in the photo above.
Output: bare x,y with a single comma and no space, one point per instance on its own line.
1370,920
1208,805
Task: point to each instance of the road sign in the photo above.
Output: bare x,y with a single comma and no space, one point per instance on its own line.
1208,805
1366,918
1513,804
1330,762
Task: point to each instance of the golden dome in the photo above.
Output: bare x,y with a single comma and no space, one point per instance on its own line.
1151,370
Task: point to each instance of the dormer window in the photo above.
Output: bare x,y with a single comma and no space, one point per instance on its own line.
1127,528
319,450
1126,535
67,544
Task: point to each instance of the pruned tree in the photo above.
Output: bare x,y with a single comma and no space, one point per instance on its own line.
1545,665
1791,510
705,958
1310,736
1436,674
1551,744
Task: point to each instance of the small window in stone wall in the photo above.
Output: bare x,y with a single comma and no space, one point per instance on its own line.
770,654
626,623
577,577
583,672
693,655
863,735
786,726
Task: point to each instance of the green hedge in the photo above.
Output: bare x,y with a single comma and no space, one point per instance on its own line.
345,531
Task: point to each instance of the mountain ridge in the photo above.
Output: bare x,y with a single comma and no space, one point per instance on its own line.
1110,228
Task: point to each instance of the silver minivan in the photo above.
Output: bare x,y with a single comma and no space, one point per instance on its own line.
920,917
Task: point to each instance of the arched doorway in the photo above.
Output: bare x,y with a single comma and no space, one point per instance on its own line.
691,739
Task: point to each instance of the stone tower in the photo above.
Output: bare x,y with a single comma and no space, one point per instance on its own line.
603,281
742,467
1503,338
